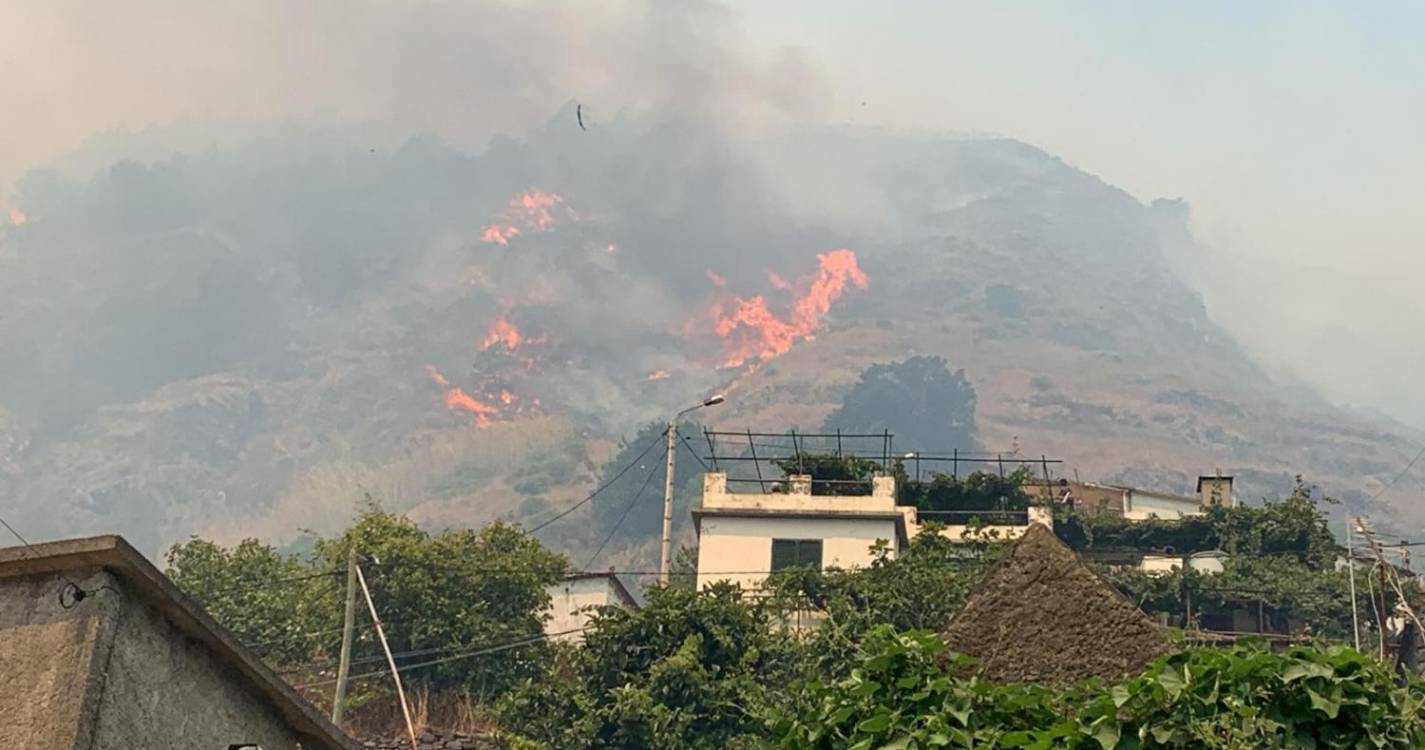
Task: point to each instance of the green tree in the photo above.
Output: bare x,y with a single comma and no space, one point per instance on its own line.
919,400
690,670
269,600
439,595
455,592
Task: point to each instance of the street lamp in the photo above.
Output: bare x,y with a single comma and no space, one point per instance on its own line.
666,559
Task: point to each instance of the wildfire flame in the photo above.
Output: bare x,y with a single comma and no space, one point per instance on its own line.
751,330
502,331
15,215
659,375
499,234
532,210
458,399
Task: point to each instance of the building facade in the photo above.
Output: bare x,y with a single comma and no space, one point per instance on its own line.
743,537
574,600
99,650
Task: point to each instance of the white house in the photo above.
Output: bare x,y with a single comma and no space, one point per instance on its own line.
744,536
573,600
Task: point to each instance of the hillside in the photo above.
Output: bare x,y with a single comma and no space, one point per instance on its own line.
258,338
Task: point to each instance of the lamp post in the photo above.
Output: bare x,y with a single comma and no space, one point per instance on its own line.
666,559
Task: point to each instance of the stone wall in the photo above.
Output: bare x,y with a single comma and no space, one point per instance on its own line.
432,740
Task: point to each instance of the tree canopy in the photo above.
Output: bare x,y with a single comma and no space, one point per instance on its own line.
919,400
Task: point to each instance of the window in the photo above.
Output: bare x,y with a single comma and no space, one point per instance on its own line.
796,553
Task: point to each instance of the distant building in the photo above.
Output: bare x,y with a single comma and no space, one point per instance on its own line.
1140,505
573,601
99,650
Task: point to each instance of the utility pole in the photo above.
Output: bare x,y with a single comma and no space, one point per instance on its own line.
347,631
1351,567
666,558
390,660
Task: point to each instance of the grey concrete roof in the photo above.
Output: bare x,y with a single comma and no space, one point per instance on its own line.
152,587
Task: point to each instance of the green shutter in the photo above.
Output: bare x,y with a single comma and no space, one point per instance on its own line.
809,554
784,554
796,553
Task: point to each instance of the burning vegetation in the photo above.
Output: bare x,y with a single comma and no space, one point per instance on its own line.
530,211
569,296
749,328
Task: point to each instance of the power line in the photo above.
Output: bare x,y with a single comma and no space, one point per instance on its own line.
456,657
597,490
624,516
72,593
1398,477
688,444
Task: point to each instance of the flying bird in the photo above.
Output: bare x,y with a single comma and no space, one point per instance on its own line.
579,115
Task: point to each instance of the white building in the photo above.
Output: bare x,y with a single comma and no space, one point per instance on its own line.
744,536
572,603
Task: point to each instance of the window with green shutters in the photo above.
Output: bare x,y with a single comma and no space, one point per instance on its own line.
796,553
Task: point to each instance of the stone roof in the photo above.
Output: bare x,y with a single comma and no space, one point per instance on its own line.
1043,616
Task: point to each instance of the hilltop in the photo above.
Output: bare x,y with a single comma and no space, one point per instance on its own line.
259,338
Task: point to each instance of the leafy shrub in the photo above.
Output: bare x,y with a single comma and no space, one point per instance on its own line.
906,694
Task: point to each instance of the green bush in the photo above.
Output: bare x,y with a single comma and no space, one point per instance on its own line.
906,695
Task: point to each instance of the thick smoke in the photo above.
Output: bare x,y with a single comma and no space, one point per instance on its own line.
467,70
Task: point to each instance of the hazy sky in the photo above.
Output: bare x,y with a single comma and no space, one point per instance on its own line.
1292,128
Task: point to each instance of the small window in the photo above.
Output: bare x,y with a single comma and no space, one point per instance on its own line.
796,553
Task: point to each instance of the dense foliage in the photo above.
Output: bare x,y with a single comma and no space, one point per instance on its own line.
907,693
979,490
688,670
1292,527
437,594
919,400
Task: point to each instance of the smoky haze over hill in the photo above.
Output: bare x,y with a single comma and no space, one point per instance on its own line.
409,274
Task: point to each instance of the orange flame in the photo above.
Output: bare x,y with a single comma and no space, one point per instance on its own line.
717,280
457,398
436,376
659,375
502,331
532,210
16,216
778,282
752,331
499,234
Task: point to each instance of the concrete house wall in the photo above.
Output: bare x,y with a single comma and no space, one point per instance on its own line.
572,601
131,665
115,674
736,530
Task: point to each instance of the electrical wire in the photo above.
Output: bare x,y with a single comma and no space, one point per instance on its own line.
623,517
456,657
71,594
689,445
597,490
1398,477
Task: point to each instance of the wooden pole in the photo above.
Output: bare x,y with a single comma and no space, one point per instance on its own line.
348,627
390,660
